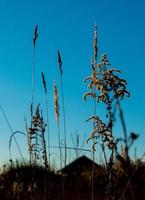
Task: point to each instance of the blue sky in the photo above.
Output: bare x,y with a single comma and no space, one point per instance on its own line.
68,26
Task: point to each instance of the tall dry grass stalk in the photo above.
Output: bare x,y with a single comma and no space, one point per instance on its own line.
29,130
35,36
47,114
105,87
63,106
95,105
56,110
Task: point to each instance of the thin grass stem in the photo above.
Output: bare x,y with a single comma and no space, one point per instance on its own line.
8,123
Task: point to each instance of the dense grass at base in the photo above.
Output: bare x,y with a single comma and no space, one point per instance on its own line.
19,182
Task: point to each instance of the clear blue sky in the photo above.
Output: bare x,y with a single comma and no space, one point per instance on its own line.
67,25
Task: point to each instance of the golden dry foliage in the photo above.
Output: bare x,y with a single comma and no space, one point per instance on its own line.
105,86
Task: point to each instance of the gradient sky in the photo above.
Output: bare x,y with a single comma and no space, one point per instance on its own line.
67,25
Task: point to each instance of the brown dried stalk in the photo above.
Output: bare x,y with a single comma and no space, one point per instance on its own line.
56,110
33,65
47,114
56,104
63,106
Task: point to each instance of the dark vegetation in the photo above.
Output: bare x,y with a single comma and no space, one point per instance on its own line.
16,181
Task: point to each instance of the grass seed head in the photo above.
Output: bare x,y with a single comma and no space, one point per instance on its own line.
56,103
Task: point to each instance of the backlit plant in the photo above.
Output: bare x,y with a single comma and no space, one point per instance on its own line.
105,86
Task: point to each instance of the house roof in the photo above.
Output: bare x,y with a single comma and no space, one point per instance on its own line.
82,163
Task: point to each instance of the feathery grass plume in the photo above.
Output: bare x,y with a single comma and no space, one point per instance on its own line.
44,82
13,135
35,35
56,110
60,62
95,45
47,114
56,103
63,107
